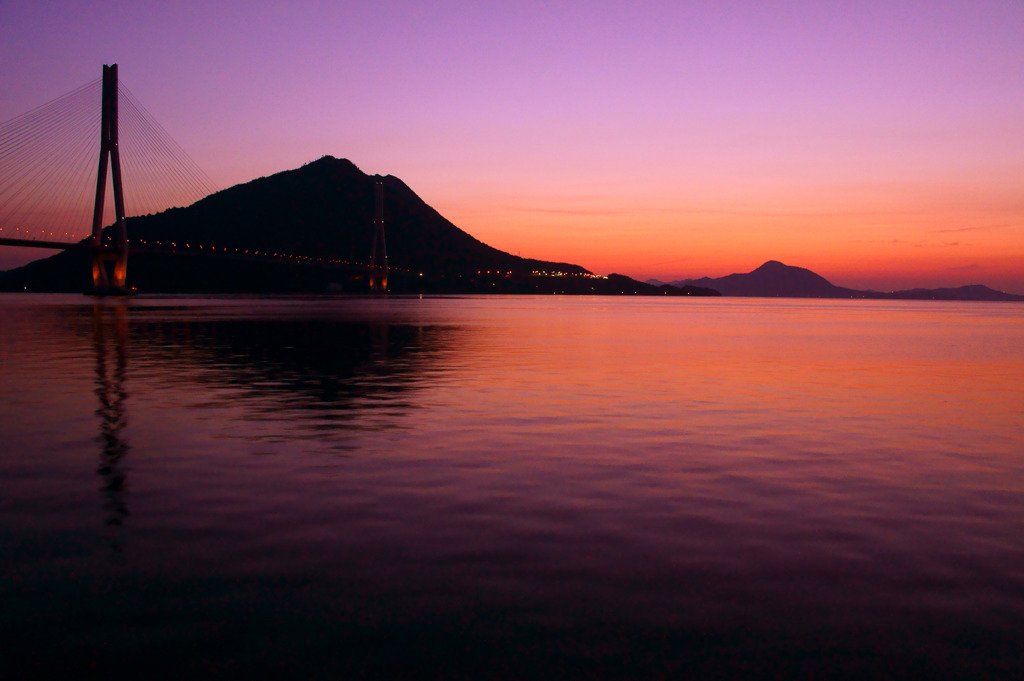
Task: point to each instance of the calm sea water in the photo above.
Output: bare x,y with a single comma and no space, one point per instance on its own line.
510,487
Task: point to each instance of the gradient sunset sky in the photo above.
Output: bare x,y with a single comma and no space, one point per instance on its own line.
880,144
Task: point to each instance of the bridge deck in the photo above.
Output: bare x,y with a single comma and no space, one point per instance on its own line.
39,243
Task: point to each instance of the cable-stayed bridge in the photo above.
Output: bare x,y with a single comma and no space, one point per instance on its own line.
54,194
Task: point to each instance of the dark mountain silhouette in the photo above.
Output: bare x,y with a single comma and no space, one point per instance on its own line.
325,210
776,280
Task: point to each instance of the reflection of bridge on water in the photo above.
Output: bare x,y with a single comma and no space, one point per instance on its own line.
110,344
41,199
272,380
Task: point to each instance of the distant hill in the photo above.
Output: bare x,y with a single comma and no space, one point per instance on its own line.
973,292
619,284
773,279
776,280
323,209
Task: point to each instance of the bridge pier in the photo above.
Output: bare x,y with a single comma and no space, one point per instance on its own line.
378,282
109,272
379,249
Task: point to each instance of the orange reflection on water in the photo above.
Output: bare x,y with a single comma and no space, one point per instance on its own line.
856,383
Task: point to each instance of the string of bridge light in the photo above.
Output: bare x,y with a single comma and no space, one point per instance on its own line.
175,247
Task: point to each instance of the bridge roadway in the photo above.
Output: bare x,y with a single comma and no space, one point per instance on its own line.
210,252
55,245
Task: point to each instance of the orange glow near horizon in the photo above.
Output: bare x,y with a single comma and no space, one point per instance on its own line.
878,145
884,238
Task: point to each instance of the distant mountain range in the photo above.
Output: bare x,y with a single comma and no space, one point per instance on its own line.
776,280
325,209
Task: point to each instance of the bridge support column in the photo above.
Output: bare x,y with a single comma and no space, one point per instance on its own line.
379,250
110,261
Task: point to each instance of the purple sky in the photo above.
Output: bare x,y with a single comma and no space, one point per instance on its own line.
879,144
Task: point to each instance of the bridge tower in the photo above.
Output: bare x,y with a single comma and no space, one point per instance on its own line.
379,249
110,263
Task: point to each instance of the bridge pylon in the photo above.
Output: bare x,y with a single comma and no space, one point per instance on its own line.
110,262
379,249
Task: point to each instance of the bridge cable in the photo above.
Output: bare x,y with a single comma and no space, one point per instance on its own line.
48,166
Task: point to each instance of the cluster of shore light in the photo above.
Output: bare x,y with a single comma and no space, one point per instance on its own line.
583,275
541,273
